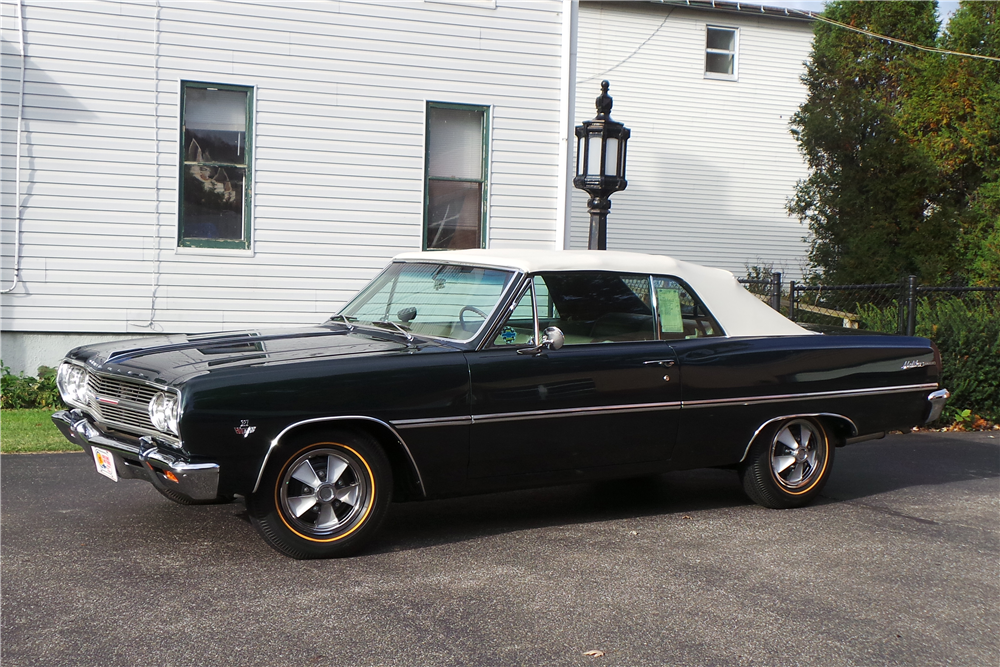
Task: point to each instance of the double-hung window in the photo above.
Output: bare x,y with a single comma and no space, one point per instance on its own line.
455,185
720,52
215,178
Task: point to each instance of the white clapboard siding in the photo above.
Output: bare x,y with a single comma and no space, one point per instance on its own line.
710,163
338,154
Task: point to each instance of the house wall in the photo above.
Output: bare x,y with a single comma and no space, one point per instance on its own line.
340,101
711,163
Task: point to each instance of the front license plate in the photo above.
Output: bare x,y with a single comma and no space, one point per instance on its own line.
105,463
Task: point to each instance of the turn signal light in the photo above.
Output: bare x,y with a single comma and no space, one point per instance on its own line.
171,476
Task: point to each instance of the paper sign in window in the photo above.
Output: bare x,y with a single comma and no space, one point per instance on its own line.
668,304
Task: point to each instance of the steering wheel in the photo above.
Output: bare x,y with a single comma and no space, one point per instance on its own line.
461,319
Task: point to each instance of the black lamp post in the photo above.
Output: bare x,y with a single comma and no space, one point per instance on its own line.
600,166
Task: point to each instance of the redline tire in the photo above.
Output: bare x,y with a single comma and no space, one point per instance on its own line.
788,464
322,496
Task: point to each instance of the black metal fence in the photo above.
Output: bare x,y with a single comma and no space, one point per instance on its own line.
887,307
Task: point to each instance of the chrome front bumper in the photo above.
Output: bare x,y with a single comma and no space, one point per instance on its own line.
163,468
936,399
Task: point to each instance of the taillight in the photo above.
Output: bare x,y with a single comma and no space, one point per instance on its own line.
937,356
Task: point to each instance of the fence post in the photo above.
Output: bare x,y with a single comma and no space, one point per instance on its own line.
911,306
776,291
791,300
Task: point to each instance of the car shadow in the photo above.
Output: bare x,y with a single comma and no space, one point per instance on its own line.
861,470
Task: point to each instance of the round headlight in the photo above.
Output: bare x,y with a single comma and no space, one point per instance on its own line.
72,382
164,412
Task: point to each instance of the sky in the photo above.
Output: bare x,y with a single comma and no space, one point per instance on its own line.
945,7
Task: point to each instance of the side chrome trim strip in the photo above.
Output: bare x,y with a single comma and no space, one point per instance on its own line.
854,427
277,440
646,407
566,412
432,421
777,398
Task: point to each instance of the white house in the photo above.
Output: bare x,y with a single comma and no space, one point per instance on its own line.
707,89
179,167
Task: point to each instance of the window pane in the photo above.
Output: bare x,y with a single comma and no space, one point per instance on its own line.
719,63
455,143
454,214
215,125
598,307
724,40
431,299
213,202
519,329
680,313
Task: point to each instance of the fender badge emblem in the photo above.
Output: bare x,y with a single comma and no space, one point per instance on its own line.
244,429
914,364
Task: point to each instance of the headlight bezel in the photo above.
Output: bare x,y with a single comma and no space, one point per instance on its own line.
71,380
165,412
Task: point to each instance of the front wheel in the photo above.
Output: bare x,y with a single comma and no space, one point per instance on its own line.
323,496
788,465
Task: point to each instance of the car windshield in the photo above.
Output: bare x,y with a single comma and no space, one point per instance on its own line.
437,300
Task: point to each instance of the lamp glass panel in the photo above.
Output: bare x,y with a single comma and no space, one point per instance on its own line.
594,155
611,157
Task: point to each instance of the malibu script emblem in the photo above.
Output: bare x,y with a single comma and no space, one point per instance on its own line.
914,364
244,428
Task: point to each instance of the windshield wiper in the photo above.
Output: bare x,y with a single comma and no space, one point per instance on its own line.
393,324
350,327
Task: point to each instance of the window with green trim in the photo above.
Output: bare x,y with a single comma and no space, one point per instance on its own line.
215,178
455,185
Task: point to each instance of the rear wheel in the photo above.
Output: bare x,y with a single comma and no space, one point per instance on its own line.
323,496
788,464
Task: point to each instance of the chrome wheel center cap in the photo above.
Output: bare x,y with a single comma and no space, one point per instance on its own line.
800,455
326,493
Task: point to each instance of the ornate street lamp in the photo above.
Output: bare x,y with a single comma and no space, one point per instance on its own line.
600,165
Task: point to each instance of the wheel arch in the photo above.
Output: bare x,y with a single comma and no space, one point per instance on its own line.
838,427
408,481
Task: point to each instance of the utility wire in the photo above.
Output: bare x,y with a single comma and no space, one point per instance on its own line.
932,49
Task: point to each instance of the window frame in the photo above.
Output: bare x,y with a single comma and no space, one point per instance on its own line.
720,76
484,173
246,243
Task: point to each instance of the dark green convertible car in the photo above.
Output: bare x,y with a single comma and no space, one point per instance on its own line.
470,371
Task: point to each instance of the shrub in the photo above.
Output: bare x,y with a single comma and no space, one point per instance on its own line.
967,332
21,391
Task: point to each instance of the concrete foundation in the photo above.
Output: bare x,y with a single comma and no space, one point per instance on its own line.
23,351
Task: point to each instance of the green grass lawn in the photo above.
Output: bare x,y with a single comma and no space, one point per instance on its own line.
24,431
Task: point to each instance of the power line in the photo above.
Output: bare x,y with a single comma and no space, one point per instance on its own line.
931,49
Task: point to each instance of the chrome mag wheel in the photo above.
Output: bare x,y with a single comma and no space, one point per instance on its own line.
788,463
324,491
795,453
323,495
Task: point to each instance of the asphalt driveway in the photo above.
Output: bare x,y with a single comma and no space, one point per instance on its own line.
898,564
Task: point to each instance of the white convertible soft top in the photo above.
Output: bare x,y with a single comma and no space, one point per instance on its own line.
738,311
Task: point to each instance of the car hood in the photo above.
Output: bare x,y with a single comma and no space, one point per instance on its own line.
175,359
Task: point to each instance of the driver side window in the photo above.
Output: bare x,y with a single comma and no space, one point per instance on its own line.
519,329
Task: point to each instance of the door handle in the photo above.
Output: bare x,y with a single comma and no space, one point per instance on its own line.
666,363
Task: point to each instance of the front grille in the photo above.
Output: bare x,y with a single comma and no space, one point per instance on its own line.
131,413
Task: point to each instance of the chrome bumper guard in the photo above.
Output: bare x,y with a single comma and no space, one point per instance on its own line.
936,399
194,481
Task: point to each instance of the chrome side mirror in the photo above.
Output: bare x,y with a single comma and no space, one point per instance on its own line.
553,338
